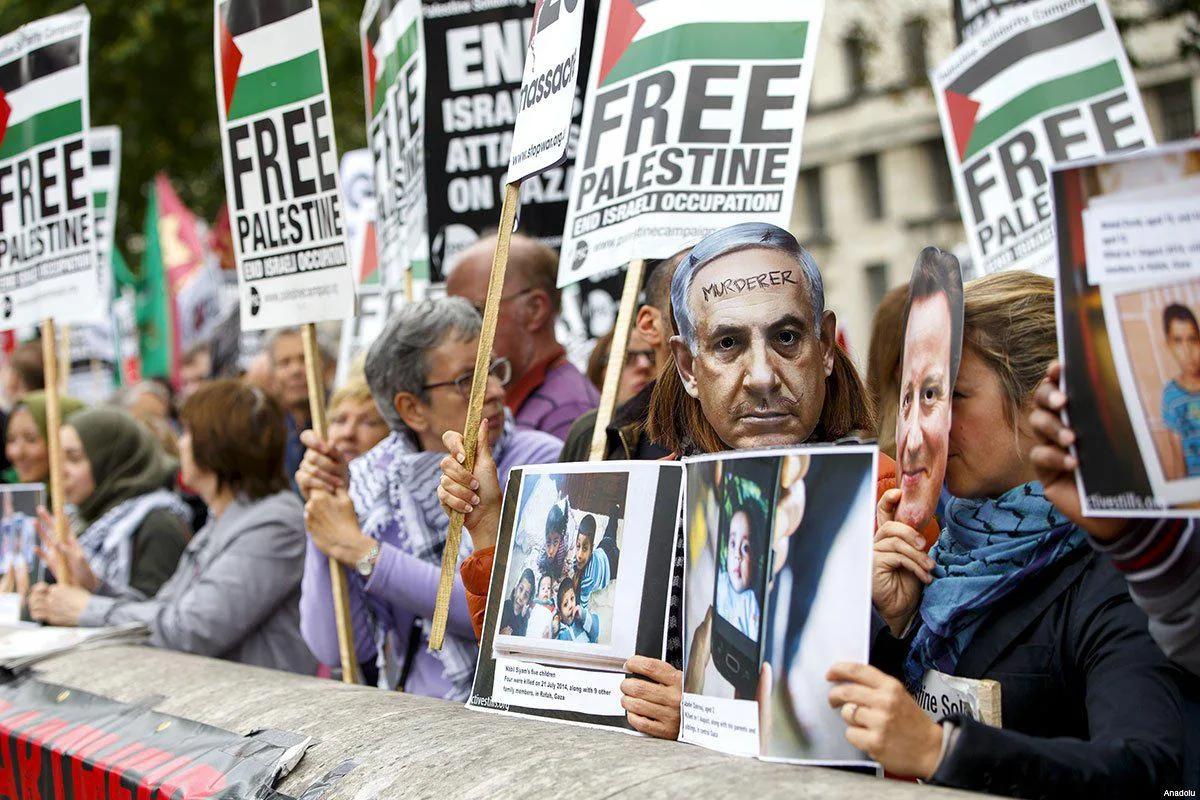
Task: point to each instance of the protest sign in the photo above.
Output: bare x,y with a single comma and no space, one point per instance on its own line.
280,164
789,603
555,32
47,233
693,122
60,742
1129,295
971,16
476,64
91,354
557,632
1045,84
281,171
547,98
393,43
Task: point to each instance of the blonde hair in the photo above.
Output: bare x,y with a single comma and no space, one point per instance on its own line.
355,389
1009,323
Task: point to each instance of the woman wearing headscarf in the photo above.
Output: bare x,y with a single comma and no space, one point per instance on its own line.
26,438
114,472
236,592
1011,592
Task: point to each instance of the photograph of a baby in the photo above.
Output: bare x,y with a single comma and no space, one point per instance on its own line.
566,551
743,533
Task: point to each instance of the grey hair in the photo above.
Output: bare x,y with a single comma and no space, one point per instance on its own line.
735,238
396,361
327,350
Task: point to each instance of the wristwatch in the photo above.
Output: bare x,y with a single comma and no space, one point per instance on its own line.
366,565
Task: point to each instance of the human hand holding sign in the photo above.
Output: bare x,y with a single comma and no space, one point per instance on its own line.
900,568
65,559
476,493
1052,460
322,468
884,721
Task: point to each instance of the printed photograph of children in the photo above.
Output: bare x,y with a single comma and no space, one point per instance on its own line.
562,572
20,566
1159,367
1122,471
743,534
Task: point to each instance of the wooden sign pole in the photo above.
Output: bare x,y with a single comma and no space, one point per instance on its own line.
616,357
53,438
64,358
483,362
314,372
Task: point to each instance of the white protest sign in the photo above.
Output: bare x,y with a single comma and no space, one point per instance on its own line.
47,232
531,685
693,123
393,44
96,342
281,169
1143,241
1045,84
941,695
546,101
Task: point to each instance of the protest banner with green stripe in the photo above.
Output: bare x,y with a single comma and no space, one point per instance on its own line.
693,122
281,164
393,48
48,237
1041,85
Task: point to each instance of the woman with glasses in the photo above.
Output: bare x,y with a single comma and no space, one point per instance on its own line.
380,518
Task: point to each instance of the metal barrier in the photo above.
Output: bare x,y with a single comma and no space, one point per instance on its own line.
418,747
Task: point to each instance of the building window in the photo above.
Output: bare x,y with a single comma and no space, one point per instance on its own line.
942,181
814,198
1176,109
855,49
914,51
872,185
877,284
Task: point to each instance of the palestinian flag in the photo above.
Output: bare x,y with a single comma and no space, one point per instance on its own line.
42,90
646,34
386,49
1067,60
270,53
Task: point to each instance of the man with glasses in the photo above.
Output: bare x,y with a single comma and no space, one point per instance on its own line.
548,393
379,516
626,435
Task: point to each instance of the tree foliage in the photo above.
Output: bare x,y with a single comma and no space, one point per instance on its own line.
152,73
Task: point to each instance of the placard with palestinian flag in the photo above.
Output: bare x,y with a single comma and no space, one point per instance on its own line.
694,116
393,46
972,16
281,164
47,236
1045,84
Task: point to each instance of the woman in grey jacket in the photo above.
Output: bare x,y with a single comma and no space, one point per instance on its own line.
235,594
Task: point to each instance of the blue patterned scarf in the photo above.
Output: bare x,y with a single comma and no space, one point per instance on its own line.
988,549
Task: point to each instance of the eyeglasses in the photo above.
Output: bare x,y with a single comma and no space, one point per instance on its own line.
501,370
632,356
512,296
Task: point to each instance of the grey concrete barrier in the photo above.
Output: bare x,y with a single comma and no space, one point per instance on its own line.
418,747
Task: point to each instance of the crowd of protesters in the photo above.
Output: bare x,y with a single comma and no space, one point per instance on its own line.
213,514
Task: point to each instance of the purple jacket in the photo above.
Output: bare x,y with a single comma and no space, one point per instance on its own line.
406,586
551,396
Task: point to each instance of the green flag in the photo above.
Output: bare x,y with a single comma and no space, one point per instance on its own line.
154,318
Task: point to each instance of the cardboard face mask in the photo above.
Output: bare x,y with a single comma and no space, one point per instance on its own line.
931,349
